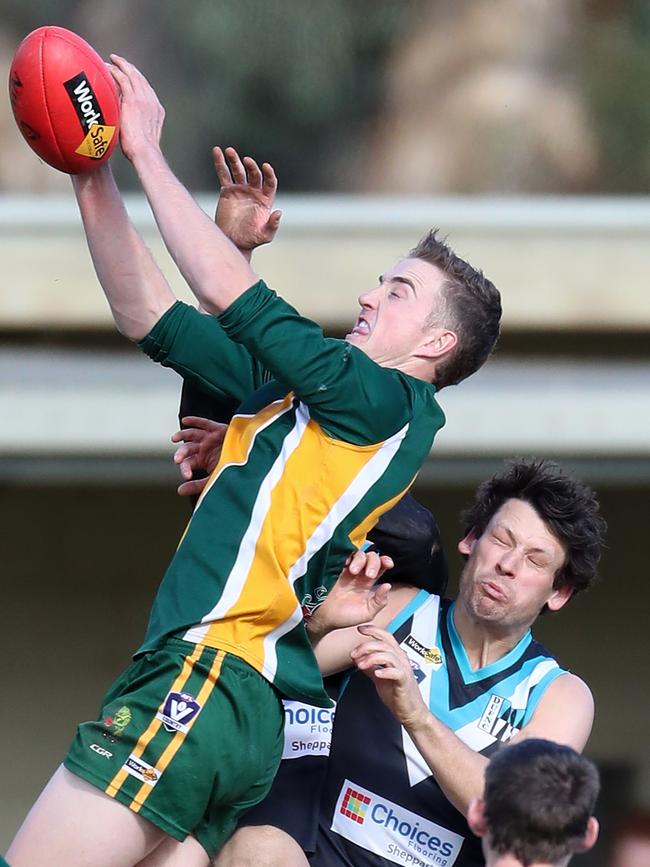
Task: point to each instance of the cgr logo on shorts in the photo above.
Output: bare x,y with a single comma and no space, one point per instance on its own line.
392,832
101,751
178,711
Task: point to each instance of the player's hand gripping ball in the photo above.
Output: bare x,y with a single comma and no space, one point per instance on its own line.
65,100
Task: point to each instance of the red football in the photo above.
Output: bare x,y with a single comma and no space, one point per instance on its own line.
64,99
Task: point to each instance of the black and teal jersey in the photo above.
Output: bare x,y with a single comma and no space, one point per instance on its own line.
323,443
381,803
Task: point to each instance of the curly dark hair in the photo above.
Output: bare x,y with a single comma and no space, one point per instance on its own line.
567,506
471,307
539,797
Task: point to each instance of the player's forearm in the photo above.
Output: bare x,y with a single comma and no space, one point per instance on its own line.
135,288
215,270
458,770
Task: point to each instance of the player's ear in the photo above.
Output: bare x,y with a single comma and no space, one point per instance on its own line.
559,597
591,835
465,545
476,817
438,343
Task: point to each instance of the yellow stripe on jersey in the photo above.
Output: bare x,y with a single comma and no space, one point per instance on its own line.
265,598
238,441
152,729
241,433
177,740
358,535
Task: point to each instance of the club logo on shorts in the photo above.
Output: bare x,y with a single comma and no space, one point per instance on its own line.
141,770
354,805
116,723
178,711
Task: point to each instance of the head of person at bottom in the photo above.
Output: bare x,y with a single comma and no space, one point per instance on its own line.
537,807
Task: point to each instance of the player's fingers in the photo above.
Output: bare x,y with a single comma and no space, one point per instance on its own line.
385,563
237,169
121,79
193,488
269,180
190,435
380,596
273,222
253,172
221,167
187,469
375,633
357,563
367,647
371,661
371,570
206,424
185,451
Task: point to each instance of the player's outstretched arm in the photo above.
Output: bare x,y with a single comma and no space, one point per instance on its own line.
213,267
137,291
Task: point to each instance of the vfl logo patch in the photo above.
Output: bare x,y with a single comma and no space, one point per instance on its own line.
431,655
178,711
354,805
141,770
498,718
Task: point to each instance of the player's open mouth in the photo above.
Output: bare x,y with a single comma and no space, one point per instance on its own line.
361,329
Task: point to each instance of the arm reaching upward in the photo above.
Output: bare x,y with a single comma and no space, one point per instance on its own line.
215,270
137,291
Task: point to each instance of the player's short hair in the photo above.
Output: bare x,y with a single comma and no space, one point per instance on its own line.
538,799
471,307
567,506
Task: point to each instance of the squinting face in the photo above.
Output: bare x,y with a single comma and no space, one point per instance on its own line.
391,325
511,567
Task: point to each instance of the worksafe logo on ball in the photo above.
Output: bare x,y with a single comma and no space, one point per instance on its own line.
88,110
378,825
178,711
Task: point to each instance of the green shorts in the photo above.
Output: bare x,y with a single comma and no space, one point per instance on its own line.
189,737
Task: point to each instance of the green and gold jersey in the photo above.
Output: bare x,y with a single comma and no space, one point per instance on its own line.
324,442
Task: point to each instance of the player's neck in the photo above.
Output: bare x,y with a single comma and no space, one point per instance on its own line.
483,643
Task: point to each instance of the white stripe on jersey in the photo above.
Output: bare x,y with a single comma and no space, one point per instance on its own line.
349,499
270,662
246,554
